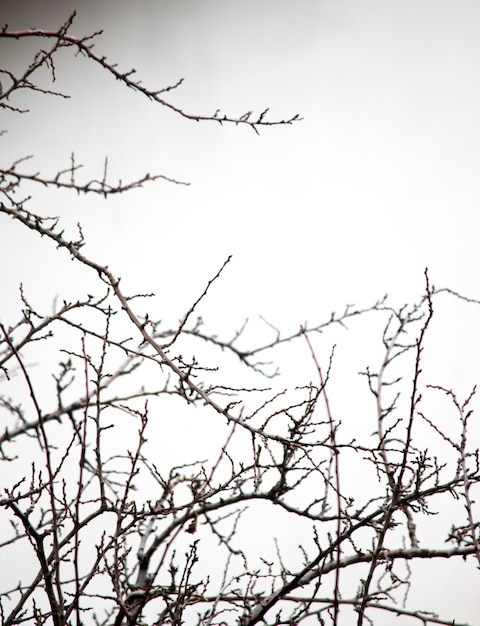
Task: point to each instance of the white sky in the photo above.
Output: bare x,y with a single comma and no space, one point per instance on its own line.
378,181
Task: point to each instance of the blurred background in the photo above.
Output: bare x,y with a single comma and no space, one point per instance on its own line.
378,182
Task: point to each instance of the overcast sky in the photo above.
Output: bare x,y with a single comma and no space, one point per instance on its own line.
377,182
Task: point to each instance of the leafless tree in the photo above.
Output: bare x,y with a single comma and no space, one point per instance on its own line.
108,530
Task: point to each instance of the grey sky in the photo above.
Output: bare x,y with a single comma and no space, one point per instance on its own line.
378,181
